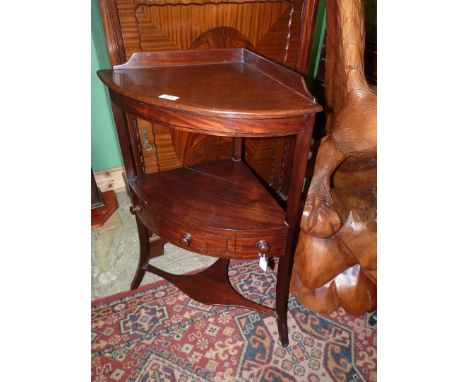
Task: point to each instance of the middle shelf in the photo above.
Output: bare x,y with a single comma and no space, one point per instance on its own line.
218,209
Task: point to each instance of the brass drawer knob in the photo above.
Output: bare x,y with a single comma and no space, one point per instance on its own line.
186,239
263,247
135,209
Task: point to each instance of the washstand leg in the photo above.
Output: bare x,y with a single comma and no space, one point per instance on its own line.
282,296
144,236
293,214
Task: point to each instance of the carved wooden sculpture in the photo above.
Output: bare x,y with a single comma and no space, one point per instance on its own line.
336,263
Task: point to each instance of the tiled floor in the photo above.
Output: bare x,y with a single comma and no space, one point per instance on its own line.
114,254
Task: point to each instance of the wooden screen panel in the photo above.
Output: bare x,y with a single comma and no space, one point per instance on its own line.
162,27
156,147
266,156
273,27
164,149
199,148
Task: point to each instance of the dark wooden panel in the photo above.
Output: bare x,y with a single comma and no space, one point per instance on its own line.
275,28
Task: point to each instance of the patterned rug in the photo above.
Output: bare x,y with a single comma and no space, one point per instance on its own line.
157,333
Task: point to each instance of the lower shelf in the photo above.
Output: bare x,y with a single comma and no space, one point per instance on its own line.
211,286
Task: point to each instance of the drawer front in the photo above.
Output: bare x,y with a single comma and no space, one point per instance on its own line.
246,247
179,234
195,241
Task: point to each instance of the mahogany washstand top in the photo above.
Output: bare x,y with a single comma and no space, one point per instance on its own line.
221,208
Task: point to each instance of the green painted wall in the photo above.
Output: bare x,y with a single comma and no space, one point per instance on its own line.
317,43
105,151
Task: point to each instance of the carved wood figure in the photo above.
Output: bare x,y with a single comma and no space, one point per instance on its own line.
336,257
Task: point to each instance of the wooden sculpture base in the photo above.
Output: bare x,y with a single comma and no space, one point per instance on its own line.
341,270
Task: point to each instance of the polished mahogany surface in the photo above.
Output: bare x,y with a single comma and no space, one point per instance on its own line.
235,89
280,30
218,208
223,195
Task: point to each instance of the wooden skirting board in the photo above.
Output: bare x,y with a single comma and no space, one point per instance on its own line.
110,179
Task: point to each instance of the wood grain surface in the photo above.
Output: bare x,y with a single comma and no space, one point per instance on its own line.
236,90
280,30
336,257
198,195
219,209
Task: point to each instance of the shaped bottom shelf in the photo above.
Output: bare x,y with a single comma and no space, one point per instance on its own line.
211,286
